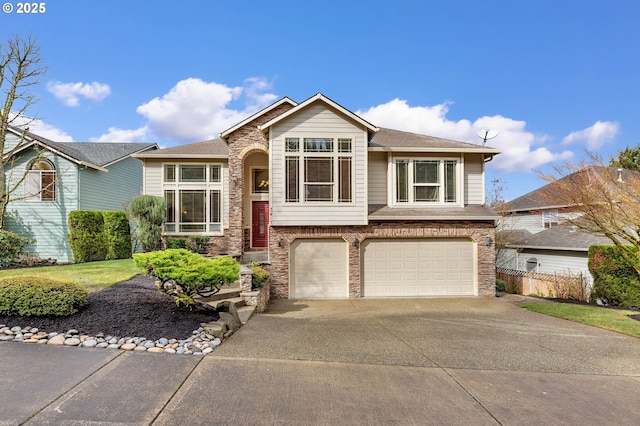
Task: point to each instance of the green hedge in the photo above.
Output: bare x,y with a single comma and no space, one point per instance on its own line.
11,246
87,236
38,296
95,235
118,235
614,280
176,243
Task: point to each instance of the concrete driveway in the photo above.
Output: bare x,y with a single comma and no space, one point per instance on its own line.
409,361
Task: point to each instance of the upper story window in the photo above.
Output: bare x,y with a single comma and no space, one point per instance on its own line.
426,181
40,181
193,195
318,170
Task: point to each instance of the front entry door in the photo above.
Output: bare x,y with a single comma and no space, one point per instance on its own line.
260,224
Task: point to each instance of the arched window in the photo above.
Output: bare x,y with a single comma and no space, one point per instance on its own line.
40,183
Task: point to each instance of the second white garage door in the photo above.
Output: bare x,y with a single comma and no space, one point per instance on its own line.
418,267
318,269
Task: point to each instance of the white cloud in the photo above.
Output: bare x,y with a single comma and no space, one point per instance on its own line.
40,128
70,93
198,110
518,145
595,136
119,135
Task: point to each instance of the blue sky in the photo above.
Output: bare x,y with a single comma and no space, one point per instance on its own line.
555,78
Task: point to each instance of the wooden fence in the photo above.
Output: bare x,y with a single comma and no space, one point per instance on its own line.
545,285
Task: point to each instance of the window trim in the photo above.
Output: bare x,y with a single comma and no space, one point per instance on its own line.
209,186
30,173
337,156
411,184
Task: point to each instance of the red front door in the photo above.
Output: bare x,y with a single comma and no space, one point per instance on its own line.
259,224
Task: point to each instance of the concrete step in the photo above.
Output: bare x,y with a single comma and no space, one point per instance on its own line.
254,256
224,293
238,301
245,313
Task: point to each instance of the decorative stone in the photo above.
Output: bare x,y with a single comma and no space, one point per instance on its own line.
156,350
90,343
72,341
56,340
140,348
169,351
30,340
128,346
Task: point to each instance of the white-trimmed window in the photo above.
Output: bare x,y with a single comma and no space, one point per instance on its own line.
426,181
318,170
40,181
193,194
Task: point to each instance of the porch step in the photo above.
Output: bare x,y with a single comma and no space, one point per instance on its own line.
254,256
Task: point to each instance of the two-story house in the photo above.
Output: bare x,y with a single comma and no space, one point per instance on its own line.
51,179
344,209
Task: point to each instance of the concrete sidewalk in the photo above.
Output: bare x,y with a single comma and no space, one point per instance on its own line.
410,361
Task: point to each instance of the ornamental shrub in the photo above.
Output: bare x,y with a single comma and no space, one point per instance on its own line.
117,234
86,236
501,285
11,247
183,274
150,214
615,282
37,296
259,276
176,243
197,244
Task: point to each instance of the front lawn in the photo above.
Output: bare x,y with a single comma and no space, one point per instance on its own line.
611,319
91,275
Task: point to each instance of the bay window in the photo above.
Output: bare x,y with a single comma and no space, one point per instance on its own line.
193,196
322,171
426,181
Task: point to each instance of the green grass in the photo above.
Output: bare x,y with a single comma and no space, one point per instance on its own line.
607,318
91,275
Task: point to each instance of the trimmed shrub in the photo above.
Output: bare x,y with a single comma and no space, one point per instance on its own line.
149,212
86,236
11,247
190,273
615,282
197,244
117,234
501,286
176,243
37,296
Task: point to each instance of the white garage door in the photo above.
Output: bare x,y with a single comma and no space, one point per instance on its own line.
318,269
418,267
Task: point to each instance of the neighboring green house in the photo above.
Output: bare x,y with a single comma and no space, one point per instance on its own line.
62,177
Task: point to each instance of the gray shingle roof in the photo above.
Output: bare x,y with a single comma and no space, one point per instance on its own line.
389,139
561,237
471,212
550,195
100,154
216,148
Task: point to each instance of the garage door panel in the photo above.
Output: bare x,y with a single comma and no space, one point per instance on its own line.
418,267
318,269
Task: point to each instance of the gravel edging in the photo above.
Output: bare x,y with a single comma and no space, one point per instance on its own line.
199,343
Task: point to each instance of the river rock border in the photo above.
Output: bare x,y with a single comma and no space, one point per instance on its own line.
199,343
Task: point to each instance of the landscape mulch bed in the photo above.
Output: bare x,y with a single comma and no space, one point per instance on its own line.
133,308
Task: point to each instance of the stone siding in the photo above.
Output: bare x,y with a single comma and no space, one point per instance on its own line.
242,142
280,239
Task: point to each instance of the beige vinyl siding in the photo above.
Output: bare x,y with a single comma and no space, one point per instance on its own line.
45,222
473,179
525,221
153,178
152,181
378,178
318,120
